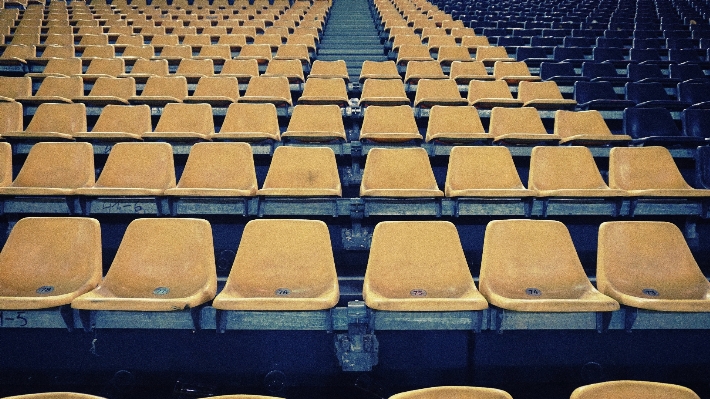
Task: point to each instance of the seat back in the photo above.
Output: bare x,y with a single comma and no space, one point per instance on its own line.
515,120
124,118
554,168
220,166
116,87
62,118
57,165
647,122
65,87
10,116
642,168
398,172
302,171
186,118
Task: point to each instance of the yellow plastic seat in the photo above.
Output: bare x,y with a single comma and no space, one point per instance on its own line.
109,90
431,92
194,69
465,72
519,125
449,54
217,53
104,67
567,172
177,53
217,170
302,171
234,41
128,38
453,393
53,51
297,52
243,70
648,172
417,70
419,266
184,122
268,89
437,41
532,266
162,90
543,95
135,169
54,169
55,89
13,87
92,52
378,70
17,54
316,123
483,172
401,172
145,52
164,40
383,92
648,265
389,124
324,91
119,123
490,94
400,40
250,122
273,41
47,262
259,52
492,54
190,38
55,395
162,264
10,117
296,275
291,69
632,390
53,122
454,124
412,52
145,69
218,91
585,128
513,72
63,67
329,70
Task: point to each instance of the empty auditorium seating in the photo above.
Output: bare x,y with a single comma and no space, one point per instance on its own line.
625,389
161,265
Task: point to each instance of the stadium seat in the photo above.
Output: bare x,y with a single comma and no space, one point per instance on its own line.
217,170
452,124
389,124
324,91
297,275
696,122
329,70
162,264
417,70
183,122
695,93
562,73
457,392
401,172
162,90
249,122
13,87
519,126
472,43
586,128
432,92
291,69
217,53
598,96
379,70
54,169
449,54
62,67
109,90
464,72
194,69
513,72
259,52
65,262
316,123
10,117
542,273
104,67
655,126
119,123
648,172
419,266
383,92
490,94
652,95
302,172
543,95
243,70
632,389
263,89
492,54
53,122
412,52
218,91
55,89
648,265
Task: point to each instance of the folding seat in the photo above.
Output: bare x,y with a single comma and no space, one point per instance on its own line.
93,40
541,273
543,95
291,69
453,392
652,95
243,70
519,126
432,92
193,69
174,259
602,71
423,70
648,172
119,123
599,96
131,39
412,52
378,70
144,69
489,94
383,92
655,126
455,124
13,87
302,172
104,67
259,52
685,72
54,169
681,43
464,72
92,52
385,169
329,69
472,43
109,90
389,124
66,263
585,128
268,89
532,56
629,389
650,43
562,73
316,123
323,91
56,89
248,31
184,122
62,67
648,265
